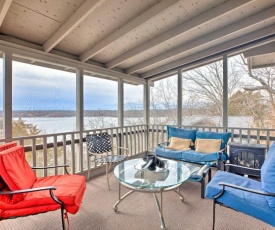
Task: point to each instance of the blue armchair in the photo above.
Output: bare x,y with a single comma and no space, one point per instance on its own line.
254,198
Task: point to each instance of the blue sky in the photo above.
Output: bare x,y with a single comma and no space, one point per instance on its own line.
40,88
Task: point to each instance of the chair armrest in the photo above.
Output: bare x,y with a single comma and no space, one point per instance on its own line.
50,188
122,148
27,190
227,166
246,189
54,166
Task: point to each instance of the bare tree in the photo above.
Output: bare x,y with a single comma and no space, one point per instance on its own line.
263,82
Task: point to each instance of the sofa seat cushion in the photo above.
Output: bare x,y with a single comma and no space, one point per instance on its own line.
15,171
249,203
186,155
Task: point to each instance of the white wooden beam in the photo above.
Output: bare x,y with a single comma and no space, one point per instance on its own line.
216,49
127,28
82,12
19,50
233,28
179,30
4,10
265,49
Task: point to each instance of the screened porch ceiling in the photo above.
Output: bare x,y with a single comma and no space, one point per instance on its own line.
140,39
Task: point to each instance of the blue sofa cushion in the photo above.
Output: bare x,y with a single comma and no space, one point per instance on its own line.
249,203
268,175
214,135
188,155
181,133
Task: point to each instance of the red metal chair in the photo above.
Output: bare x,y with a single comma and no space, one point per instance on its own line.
22,193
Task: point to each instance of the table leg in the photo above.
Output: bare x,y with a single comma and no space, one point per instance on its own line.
121,198
160,209
178,192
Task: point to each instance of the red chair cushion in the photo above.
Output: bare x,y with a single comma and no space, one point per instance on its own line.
70,190
15,171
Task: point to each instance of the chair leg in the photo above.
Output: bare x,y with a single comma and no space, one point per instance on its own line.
89,168
202,187
214,213
107,174
209,175
62,217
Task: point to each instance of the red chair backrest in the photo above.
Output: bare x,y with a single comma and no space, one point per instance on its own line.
15,171
7,146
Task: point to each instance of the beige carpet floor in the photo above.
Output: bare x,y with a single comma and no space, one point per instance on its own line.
139,211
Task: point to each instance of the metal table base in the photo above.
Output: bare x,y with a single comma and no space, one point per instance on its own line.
154,192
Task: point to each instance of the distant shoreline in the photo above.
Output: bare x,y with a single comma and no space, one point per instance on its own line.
71,113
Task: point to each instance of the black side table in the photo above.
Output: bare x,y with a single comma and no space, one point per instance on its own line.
248,155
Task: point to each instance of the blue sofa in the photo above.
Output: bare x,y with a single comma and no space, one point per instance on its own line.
254,198
199,163
211,159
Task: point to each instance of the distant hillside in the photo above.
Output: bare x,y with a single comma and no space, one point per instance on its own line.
97,113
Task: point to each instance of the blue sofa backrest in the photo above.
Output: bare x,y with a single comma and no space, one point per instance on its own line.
181,133
193,134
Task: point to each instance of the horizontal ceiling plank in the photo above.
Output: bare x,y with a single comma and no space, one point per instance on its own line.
179,30
214,50
81,13
265,49
208,38
4,10
136,22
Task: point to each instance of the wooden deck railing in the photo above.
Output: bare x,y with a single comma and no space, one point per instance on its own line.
70,147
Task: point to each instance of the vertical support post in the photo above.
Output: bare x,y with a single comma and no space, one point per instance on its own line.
80,114
225,93
7,94
120,111
120,103
179,111
146,105
79,100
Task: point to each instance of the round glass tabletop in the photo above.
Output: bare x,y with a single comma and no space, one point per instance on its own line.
173,174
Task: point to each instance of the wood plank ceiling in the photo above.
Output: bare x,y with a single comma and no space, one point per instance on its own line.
141,38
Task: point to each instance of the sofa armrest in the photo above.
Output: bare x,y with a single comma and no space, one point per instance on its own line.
54,166
243,189
163,143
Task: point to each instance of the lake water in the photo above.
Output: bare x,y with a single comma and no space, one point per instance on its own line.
49,125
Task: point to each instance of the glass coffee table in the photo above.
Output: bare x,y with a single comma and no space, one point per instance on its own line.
130,175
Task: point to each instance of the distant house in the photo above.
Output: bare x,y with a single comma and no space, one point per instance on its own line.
233,121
